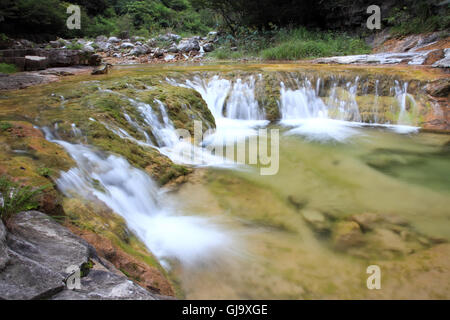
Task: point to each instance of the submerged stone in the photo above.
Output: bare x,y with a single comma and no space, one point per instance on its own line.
346,235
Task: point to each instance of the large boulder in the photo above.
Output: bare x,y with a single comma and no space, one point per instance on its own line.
188,45
88,48
140,50
41,239
38,253
127,45
113,40
33,63
208,47
439,88
103,46
113,287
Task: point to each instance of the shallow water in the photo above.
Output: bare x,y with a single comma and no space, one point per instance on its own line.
230,232
278,256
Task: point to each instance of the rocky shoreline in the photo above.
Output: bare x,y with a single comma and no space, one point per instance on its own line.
36,253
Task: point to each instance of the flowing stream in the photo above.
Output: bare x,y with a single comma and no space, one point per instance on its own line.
231,232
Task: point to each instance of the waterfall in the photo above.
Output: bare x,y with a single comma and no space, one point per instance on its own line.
233,104
300,104
169,141
132,194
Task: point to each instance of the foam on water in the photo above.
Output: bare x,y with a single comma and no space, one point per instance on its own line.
324,129
132,194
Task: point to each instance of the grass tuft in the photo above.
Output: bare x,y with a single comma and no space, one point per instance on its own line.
8,68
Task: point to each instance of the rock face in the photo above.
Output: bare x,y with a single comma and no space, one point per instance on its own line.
36,59
35,254
411,58
443,63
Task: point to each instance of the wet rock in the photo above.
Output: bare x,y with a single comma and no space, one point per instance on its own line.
439,88
384,240
367,221
346,235
316,220
103,69
395,220
297,201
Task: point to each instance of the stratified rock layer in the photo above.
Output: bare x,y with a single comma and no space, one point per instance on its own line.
35,254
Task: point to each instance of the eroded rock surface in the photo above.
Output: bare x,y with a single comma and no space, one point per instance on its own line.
35,254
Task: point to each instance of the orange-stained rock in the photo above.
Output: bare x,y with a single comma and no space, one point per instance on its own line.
141,273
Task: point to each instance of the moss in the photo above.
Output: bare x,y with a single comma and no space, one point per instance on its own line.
183,106
4,125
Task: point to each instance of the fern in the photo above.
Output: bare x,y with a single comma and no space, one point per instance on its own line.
15,198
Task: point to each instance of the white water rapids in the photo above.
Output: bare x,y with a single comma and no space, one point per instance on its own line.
132,194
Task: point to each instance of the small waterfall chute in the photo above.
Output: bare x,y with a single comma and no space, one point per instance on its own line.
132,194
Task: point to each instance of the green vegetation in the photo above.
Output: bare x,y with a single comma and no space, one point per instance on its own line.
45,19
16,198
75,46
44,172
288,44
5,125
418,18
301,44
7,68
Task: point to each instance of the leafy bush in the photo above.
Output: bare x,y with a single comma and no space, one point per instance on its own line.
15,198
7,68
75,46
419,17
